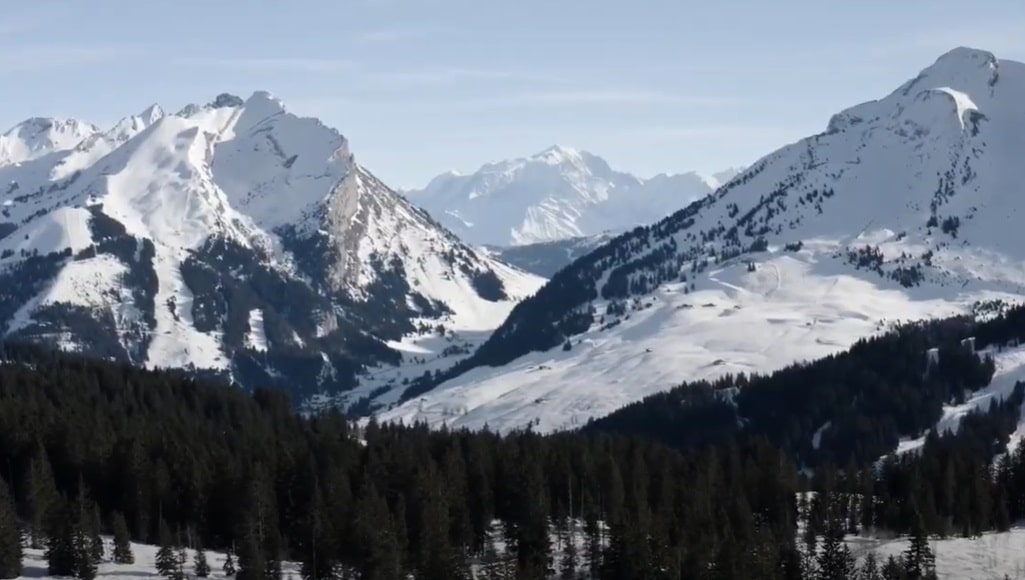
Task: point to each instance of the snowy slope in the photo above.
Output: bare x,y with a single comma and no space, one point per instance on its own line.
232,237
905,207
991,556
556,194
34,564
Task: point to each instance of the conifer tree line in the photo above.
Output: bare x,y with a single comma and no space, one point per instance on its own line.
849,408
95,447
90,447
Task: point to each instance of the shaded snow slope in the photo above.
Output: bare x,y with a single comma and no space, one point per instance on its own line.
556,194
906,207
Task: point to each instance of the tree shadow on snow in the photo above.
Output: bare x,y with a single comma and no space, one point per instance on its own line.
34,572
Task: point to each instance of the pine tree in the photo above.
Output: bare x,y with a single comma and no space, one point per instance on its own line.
199,564
569,561
870,568
376,548
92,529
532,542
919,561
251,563
315,563
835,561
893,569
85,554
41,493
180,557
61,533
229,565
435,557
167,559
10,536
122,541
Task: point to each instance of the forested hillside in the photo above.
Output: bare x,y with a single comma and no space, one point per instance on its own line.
852,407
89,447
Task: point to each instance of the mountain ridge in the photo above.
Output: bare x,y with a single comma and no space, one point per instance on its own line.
164,239
904,208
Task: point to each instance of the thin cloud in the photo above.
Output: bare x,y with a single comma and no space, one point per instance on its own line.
625,97
287,64
704,131
1003,37
23,17
12,27
387,36
37,58
581,98
453,75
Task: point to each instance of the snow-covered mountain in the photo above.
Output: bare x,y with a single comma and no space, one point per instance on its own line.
37,137
557,194
907,207
234,238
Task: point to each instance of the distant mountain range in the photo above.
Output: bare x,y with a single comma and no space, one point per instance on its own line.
557,194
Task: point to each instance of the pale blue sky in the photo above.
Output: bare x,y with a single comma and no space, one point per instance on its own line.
421,86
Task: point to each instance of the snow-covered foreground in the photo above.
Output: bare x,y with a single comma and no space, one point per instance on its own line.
991,556
34,565
793,307
994,555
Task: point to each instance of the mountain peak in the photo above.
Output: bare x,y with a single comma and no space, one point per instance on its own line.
225,100
151,114
963,68
261,106
557,154
35,126
967,55
263,97
39,136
